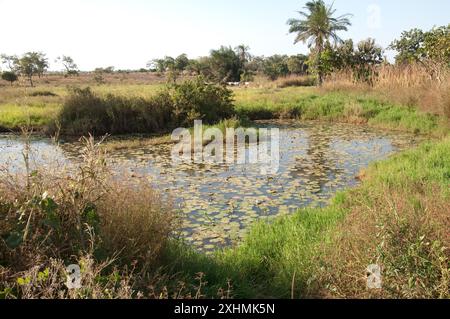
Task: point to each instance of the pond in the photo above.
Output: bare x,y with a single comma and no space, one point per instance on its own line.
220,202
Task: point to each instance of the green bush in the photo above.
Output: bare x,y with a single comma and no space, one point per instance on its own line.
9,76
194,100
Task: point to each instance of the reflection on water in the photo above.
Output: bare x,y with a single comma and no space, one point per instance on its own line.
220,202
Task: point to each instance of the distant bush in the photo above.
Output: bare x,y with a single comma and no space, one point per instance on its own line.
297,81
11,77
42,93
177,105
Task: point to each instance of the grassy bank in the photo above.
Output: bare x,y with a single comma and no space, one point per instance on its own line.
398,218
336,106
40,106
144,106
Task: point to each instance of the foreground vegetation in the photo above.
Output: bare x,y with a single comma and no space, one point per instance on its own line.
397,218
78,215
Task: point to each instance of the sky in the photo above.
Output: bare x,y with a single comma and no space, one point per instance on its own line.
128,33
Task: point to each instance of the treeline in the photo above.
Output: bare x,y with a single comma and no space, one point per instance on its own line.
231,65
33,64
429,49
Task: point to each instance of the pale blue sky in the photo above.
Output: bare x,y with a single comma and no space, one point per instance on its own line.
128,33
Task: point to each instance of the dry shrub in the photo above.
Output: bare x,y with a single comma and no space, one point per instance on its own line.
136,222
405,233
55,216
48,281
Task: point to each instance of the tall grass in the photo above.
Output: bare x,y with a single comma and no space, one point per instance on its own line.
409,85
114,227
13,117
85,112
399,220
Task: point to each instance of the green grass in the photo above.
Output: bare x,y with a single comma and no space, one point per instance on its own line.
12,117
299,255
266,263
22,106
309,104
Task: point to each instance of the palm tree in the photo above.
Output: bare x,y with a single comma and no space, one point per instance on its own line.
317,27
243,52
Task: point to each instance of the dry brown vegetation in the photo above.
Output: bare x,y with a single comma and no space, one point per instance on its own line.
114,227
409,85
405,236
399,219
92,78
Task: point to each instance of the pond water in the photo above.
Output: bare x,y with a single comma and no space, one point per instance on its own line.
220,202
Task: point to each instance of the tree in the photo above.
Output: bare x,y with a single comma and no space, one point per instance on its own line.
200,66
297,64
410,47
430,49
10,61
243,52
169,63
9,76
437,45
317,27
367,57
40,61
362,61
157,65
31,64
69,65
181,62
256,65
225,65
276,66
344,56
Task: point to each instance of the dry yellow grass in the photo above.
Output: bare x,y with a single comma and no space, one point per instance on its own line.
89,78
409,85
114,227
